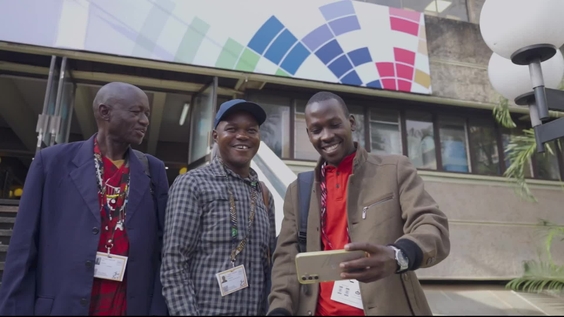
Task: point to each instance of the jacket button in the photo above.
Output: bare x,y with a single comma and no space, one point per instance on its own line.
309,313
95,230
88,264
83,301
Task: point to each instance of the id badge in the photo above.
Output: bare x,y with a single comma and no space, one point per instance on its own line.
232,280
110,266
347,292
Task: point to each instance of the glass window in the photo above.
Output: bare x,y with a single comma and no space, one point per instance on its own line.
420,140
388,3
454,145
484,151
275,131
547,163
385,132
358,134
420,5
303,148
452,9
506,137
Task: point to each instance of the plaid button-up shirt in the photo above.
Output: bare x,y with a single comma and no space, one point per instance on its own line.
198,243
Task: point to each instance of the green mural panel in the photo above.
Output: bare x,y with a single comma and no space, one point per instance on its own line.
280,72
191,41
248,61
229,54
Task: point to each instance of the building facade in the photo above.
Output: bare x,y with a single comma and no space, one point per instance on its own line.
413,73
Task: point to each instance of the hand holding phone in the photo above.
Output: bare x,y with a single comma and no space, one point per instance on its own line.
323,266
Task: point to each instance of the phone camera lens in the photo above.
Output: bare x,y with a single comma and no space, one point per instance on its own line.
304,278
310,278
316,277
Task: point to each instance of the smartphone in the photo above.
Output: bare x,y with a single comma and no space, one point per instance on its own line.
323,266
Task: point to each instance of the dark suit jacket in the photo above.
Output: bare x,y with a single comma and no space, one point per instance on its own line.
49,265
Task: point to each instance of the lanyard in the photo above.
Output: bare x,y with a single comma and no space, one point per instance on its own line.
122,194
234,230
323,187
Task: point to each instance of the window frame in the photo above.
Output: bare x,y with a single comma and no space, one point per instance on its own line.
369,103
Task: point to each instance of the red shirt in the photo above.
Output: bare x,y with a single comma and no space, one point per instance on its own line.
336,222
109,297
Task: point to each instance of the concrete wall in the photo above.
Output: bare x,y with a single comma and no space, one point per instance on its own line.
492,230
458,58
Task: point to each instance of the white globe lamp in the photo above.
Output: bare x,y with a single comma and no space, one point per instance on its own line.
512,80
511,27
528,32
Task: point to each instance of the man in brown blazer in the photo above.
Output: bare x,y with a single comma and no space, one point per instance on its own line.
359,201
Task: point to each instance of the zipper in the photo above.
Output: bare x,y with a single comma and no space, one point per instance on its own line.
364,209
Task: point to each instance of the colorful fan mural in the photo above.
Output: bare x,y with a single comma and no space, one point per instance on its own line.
347,42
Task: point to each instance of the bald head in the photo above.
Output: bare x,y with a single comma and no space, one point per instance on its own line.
115,94
122,112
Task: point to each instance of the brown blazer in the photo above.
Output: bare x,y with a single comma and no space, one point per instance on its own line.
397,208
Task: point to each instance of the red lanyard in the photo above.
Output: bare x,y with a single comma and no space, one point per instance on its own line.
323,187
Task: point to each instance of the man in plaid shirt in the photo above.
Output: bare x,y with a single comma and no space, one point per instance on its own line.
219,227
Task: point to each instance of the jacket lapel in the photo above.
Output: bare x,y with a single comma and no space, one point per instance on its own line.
139,186
354,188
84,176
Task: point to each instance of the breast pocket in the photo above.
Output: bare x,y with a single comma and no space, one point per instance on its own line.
374,208
216,222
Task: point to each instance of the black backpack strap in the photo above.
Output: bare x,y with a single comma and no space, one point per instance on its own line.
145,162
305,183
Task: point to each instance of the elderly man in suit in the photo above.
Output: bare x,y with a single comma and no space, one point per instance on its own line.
88,234
359,201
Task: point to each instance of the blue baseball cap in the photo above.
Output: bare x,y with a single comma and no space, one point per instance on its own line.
234,105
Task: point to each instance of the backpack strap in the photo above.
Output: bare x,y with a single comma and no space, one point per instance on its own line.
305,183
265,196
266,199
145,162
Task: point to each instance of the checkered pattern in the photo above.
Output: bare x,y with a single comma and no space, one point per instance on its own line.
197,243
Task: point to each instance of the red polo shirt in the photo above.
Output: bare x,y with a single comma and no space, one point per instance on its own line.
336,231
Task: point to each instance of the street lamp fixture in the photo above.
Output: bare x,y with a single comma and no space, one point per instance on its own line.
525,33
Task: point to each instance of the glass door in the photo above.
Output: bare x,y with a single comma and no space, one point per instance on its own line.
53,125
203,110
44,120
64,105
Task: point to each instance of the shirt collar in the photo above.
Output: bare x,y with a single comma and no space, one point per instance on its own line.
345,165
220,170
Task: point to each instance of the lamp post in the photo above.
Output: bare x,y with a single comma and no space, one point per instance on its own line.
525,35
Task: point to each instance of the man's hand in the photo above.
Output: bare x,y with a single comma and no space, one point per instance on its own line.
380,262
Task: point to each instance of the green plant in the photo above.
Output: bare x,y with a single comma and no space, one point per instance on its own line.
502,114
541,276
518,151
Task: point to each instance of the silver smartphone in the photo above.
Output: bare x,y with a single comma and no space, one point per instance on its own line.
323,266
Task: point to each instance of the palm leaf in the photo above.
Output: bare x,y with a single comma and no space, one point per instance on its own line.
519,152
502,114
539,277
553,231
